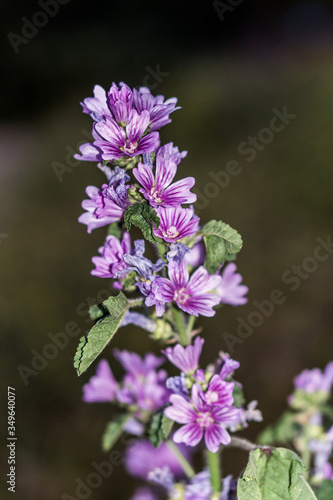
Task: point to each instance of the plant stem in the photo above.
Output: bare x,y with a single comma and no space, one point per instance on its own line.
180,326
213,460
187,467
190,324
237,442
136,302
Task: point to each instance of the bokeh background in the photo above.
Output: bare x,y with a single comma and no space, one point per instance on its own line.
229,71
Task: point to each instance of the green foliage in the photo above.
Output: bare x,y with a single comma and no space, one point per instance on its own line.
160,428
163,330
114,229
222,243
285,429
302,400
325,490
142,216
129,280
97,312
101,333
274,474
113,431
238,396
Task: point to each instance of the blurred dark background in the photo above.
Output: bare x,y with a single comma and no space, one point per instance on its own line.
229,71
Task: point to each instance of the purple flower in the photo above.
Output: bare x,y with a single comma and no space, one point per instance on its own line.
143,266
135,365
200,487
251,414
115,142
176,223
89,152
158,109
178,385
185,358
191,295
111,261
170,153
315,380
177,252
144,393
196,256
148,289
322,450
219,392
158,189
144,493
133,426
142,458
228,365
120,101
230,289
108,204
140,320
163,477
102,387
201,420
96,106
143,388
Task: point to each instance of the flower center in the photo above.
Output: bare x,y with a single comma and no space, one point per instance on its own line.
181,296
155,196
171,232
129,147
211,397
204,419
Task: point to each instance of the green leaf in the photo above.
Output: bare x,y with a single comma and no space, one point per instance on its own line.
160,428
222,243
285,430
143,216
274,474
325,490
113,431
101,333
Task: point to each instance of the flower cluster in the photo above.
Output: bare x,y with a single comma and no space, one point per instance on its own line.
203,401
139,171
191,274
142,189
142,390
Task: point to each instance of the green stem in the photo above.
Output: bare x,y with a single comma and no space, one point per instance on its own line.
136,302
306,457
180,326
190,324
213,460
187,467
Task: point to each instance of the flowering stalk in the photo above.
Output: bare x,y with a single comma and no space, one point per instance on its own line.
213,460
187,467
193,275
